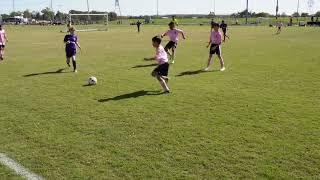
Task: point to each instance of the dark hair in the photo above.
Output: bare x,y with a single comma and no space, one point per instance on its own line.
157,39
215,25
171,23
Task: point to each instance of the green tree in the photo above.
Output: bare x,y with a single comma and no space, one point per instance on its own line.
304,14
317,14
60,16
262,14
27,14
295,14
47,14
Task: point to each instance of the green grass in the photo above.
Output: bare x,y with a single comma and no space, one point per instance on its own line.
259,119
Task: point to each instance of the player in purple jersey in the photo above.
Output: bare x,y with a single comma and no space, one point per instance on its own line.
71,41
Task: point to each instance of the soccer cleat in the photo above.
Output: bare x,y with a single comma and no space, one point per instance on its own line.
75,71
206,69
222,69
68,64
172,62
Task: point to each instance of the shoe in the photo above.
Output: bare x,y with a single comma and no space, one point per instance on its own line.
206,69
75,71
68,64
222,69
172,62
166,92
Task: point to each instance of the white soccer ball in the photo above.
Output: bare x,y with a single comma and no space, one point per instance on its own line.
92,80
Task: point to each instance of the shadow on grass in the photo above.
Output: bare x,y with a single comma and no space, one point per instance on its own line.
191,73
143,66
59,71
132,95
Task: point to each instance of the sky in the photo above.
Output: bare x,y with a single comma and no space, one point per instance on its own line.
149,7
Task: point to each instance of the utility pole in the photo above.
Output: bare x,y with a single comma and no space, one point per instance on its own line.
277,9
13,6
298,7
214,8
247,12
51,6
88,6
158,8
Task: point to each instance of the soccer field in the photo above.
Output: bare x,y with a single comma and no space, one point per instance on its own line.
258,119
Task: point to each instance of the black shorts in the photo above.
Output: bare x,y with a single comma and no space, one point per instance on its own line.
279,28
215,49
2,46
70,53
162,69
170,45
224,31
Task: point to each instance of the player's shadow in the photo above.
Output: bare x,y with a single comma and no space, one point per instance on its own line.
192,73
59,71
143,66
132,95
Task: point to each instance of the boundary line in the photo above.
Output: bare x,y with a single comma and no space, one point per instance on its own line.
19,169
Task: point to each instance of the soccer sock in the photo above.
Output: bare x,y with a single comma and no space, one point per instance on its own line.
74,63
221,62
163,84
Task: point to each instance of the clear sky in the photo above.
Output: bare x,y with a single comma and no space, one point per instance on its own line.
149,7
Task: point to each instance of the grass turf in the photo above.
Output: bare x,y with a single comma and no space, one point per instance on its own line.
259,119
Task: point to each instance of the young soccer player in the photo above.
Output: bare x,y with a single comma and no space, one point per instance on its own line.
3,41
138,25
279,26
215,43
161,71
173,34
224,27
71,41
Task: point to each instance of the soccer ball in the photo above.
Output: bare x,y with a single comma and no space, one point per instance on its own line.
92,81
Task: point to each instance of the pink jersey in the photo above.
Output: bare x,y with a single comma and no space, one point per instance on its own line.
2,37
161,55
174,34
216,37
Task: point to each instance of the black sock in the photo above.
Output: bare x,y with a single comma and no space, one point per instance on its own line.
74,63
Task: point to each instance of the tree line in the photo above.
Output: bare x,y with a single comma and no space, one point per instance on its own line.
48,15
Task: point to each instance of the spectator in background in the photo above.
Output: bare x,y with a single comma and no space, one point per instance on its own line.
175,21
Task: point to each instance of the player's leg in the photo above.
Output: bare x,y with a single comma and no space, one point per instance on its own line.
209,62
1,52
220,59
68,61
173,57
74,63
167,48
163,83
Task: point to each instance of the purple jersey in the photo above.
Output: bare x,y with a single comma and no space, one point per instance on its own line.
70,41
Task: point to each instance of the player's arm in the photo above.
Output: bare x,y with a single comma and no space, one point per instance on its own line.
150,59
78,45
183,36
163,35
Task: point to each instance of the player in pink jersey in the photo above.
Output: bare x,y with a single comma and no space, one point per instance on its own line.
173,35
161,71
215,46
3,41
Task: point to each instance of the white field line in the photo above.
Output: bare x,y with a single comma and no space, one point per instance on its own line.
19,169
